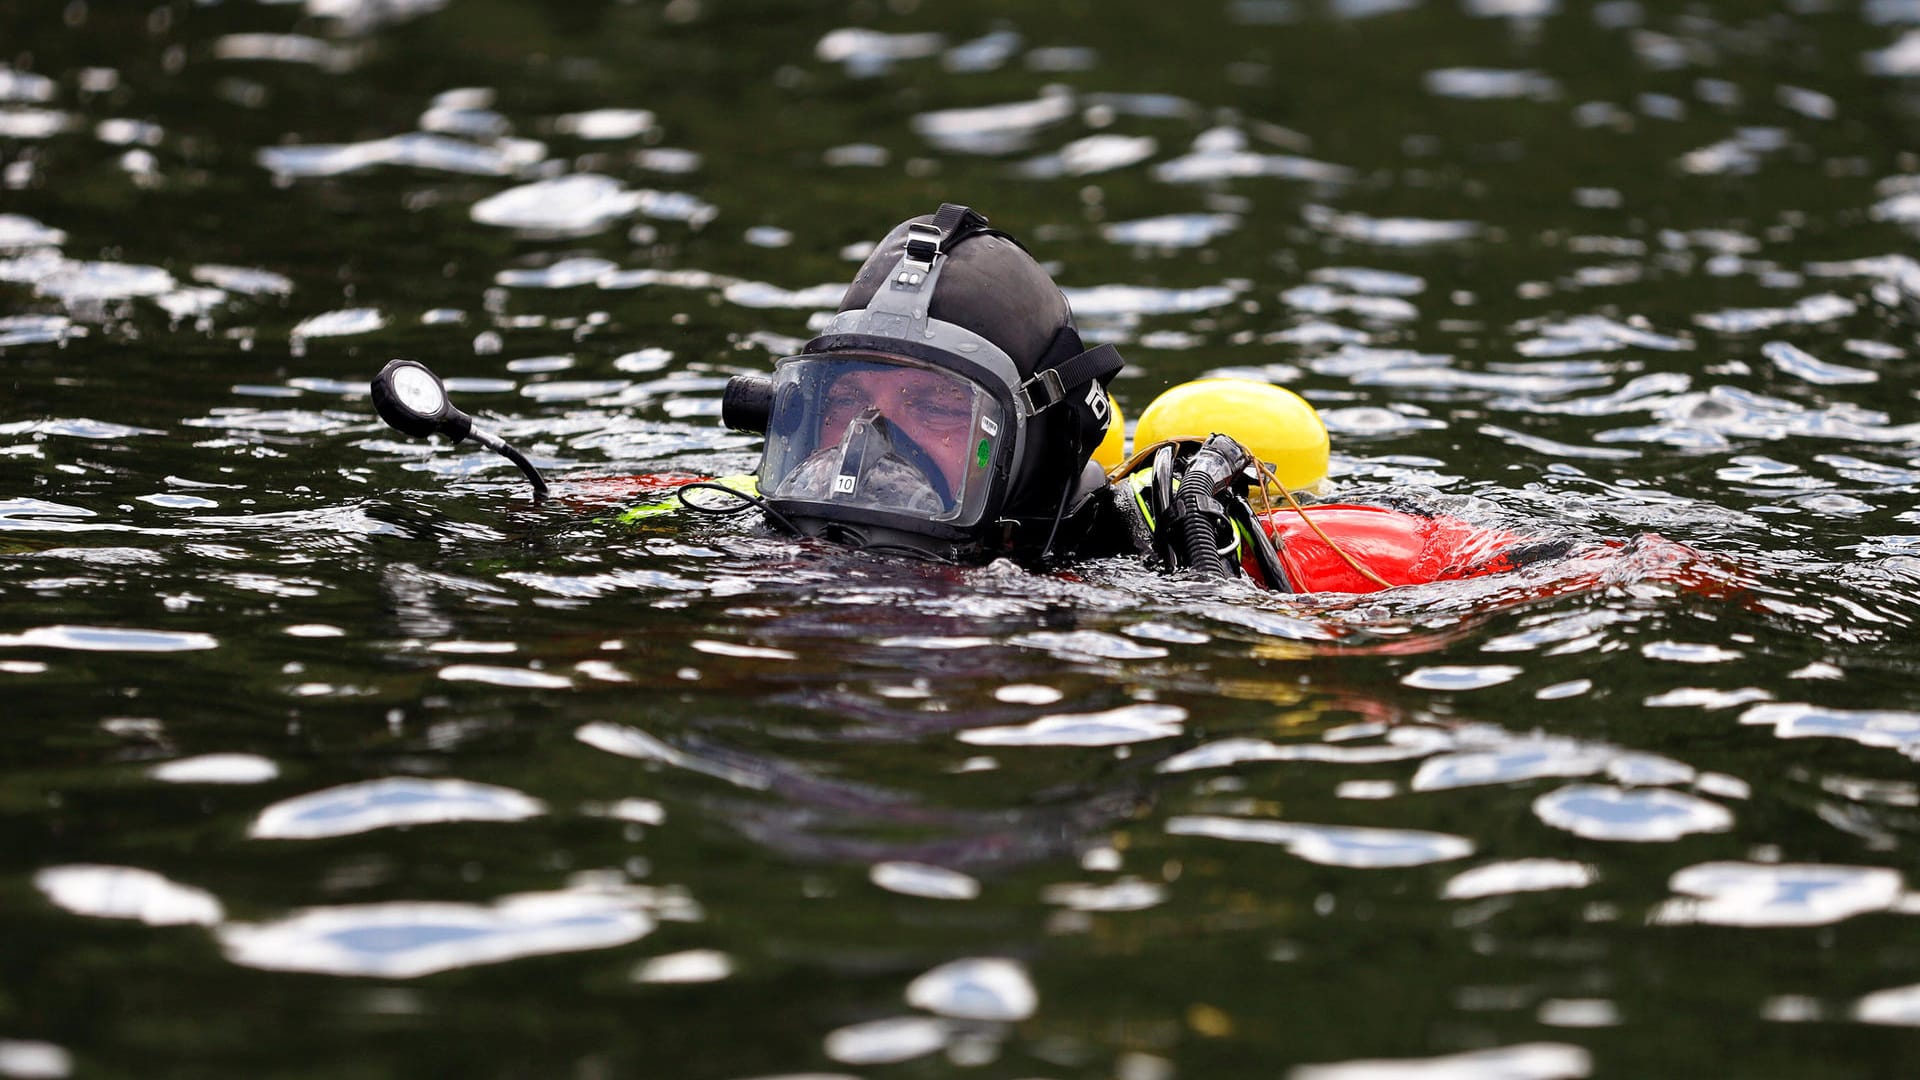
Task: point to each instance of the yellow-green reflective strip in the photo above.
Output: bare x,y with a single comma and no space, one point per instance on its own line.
1141,480
746,483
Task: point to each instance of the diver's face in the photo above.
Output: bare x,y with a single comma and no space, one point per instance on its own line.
934,411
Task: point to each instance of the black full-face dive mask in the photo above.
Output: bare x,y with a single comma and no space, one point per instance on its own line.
895,429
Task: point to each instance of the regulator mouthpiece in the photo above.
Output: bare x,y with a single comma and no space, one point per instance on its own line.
414,402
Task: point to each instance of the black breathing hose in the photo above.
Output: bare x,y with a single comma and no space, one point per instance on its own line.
1203,520
499,446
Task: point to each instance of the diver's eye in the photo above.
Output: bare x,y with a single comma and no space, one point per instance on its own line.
845,401
940,411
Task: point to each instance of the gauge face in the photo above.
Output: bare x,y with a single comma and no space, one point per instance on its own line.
419,390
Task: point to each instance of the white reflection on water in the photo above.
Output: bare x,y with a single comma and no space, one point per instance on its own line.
633,743
343,323
1090,155
883,1042
127,892
568,205
993,129
691,966
1599,812
866,53
1486,84
37,330
407,940
217,769
1777,894
1171,230
1520,759
1526,1061
564,274
1084,645
605,124
79,282
1402,744
1389,232
494,675
1797,362
1121,301
33,1059
1456,677
1892,728
395,801
920,879
1519,875
1222,154
984,53
414,149
1899,1007
1115,727
109,639
976,988
21,231
1332,845
1127,894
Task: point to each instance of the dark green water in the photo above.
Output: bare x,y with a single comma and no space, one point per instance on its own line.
328,754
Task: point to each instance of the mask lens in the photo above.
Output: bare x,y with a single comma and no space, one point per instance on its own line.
880,433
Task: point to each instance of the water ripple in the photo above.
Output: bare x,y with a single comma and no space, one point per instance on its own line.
109,639
884,1042
993,129
217,769
1891,728
127,892
1777,894
681,968
1332,845
1526,1061
416,150
494,675
1487,84
1404,744
919,879
406,940
1115,727
392,802
569,205
977,988
1171,230
1455,677
1899,1007
1794,361
20,231
1651,815
32,1059
1222,154
1519,875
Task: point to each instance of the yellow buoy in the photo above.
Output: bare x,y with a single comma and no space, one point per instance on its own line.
1276,425
1113,446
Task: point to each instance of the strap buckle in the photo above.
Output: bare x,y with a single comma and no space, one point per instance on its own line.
923,245
1043,391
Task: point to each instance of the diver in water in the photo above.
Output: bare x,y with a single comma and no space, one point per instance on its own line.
951,411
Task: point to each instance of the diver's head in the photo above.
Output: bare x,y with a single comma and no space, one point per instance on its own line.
949,408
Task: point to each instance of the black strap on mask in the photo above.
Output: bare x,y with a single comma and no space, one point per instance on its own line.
1077,381
951,225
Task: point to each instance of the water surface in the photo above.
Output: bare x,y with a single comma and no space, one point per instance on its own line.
330,753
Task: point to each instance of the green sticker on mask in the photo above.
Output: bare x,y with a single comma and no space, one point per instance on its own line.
984,454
